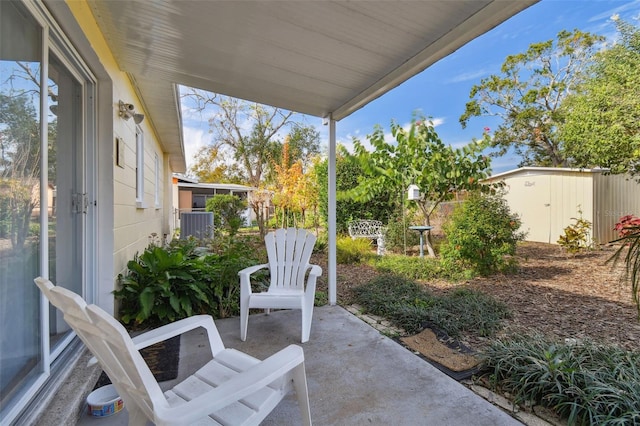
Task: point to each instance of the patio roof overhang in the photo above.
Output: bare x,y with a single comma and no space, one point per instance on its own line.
323,58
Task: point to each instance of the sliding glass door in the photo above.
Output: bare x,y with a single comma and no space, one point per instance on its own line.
44,99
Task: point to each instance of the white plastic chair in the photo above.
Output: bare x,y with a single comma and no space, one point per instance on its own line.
232,388
289,252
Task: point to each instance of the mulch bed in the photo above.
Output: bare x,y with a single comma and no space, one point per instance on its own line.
553,294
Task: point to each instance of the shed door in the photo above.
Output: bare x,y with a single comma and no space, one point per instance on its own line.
533,193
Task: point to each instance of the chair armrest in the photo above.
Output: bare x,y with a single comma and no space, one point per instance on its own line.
236,388
177,328
314,273
252,269
245,277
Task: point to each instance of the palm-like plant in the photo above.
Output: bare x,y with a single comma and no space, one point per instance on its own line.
630,242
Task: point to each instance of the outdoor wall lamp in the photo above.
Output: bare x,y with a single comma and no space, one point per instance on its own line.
128,110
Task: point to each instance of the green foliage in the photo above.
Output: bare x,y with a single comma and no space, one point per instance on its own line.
481,235
227,212
398,236
348,173
321,298
527,95
322,243
350,251
602,116
413,267
165,284
576,235
630,243
584,383
409,306
418,156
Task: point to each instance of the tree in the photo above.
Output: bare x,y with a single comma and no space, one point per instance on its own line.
527,96
251,133
208,167
419,157
348,172
19,164
602,118
248,130
227,212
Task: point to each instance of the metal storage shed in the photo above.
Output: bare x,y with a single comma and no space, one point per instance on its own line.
546,199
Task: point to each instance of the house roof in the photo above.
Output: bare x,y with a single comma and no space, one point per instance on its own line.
221,186
313,57
542,171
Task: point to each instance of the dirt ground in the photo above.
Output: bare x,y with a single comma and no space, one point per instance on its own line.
553,294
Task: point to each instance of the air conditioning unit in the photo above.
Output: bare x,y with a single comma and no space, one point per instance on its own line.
196,224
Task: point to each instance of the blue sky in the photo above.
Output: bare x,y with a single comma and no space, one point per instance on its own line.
442,90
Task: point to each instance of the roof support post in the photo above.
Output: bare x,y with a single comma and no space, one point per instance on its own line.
331,273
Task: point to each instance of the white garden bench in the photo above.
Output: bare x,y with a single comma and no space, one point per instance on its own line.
371,229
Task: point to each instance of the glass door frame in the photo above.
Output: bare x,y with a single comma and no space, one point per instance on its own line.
54,41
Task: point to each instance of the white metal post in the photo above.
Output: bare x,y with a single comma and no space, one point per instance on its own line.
331,273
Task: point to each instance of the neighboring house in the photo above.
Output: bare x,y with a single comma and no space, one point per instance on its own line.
191,196
92,86
548,199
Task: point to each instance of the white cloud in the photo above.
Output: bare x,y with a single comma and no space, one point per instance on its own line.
194,139
468,76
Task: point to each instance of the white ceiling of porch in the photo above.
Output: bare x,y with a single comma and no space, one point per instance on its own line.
313,57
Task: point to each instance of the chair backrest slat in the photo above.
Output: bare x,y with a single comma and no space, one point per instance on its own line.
289,251
110,343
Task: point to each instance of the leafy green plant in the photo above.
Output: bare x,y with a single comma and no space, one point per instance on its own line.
227,212
350,251
630,242
161,286
171,282
398,236
576,235
411,267
482,235
321,298
585,383
409,306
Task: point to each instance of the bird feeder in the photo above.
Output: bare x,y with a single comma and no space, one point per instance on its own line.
413,193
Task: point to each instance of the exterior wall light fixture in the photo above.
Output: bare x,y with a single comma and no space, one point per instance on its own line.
128,111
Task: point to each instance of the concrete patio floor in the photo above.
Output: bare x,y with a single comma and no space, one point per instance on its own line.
356,376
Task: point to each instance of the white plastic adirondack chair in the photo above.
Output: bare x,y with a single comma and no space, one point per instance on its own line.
289,252
232,389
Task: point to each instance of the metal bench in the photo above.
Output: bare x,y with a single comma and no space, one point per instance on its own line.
372,229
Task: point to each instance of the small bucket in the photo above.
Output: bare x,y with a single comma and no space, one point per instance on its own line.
104,401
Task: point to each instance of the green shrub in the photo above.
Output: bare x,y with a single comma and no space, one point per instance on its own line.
413,268
227,212
584,383
481,235
576,235
168,283
350,251
322,242
398,233
409,306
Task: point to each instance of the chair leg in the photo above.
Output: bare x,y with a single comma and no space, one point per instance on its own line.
244,320
302,393
307,316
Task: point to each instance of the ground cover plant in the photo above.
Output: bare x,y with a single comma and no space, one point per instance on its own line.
410,306
415,268
583,382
